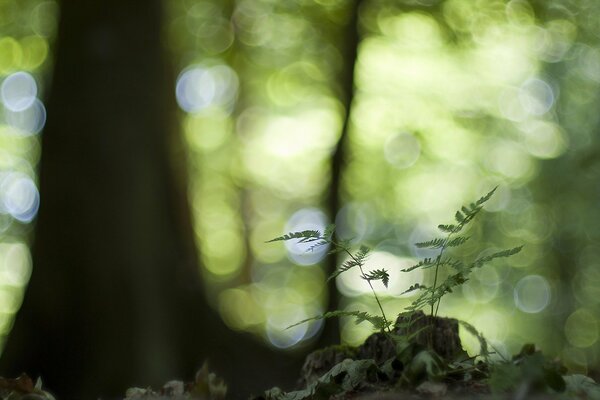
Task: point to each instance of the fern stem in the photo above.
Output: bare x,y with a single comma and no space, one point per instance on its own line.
437,267
360,265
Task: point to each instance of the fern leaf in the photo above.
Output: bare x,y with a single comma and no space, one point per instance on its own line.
457,241
450,228
421,301
500,254
329,231
460,218
452,281
330,314
456,264
318,244
485,198
376,275
347,265
483,344
360,316
412,288
431,244
304,236
377,321
424,263
362,253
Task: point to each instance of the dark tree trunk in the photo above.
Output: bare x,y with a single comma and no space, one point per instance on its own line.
115,299
349,50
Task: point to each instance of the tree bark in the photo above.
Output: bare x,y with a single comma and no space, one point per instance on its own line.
351,38
115,298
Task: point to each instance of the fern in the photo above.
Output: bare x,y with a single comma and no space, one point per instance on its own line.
355,260
432,244
303,236
359,316
378,274
429,296
432,296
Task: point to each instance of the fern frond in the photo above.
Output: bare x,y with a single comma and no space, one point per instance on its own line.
431,244
354,261
377,321
500,254
421,301
453,280
451,262
424,263
459,217
362,253
483,344
485,198
376,275
347,265
329,231
360,316
304,236
457,241
340,246
412,288
447,228
318,244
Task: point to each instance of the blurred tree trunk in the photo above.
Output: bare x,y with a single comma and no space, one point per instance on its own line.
115,299
349,50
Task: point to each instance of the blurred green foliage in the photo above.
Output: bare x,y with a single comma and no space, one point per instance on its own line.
26,31
451,98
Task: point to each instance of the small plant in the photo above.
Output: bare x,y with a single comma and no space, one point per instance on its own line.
430,296
422,353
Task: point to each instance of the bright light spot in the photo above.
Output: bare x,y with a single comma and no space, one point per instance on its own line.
509,159
352,333
544,139
28,121
18,91
309,131
224,252
510,106
581,328
351,284
15,264
278,331
482,286
352,221
501,197
532,294
412,30
422,233
536,96
303,220
556,40
20,197
590,64
200,87
402,150
239,309
491,324
520,13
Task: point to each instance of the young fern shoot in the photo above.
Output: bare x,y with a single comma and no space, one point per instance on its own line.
432,296
355,260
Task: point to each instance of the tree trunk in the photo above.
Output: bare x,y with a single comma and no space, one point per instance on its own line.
115,299
349,49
